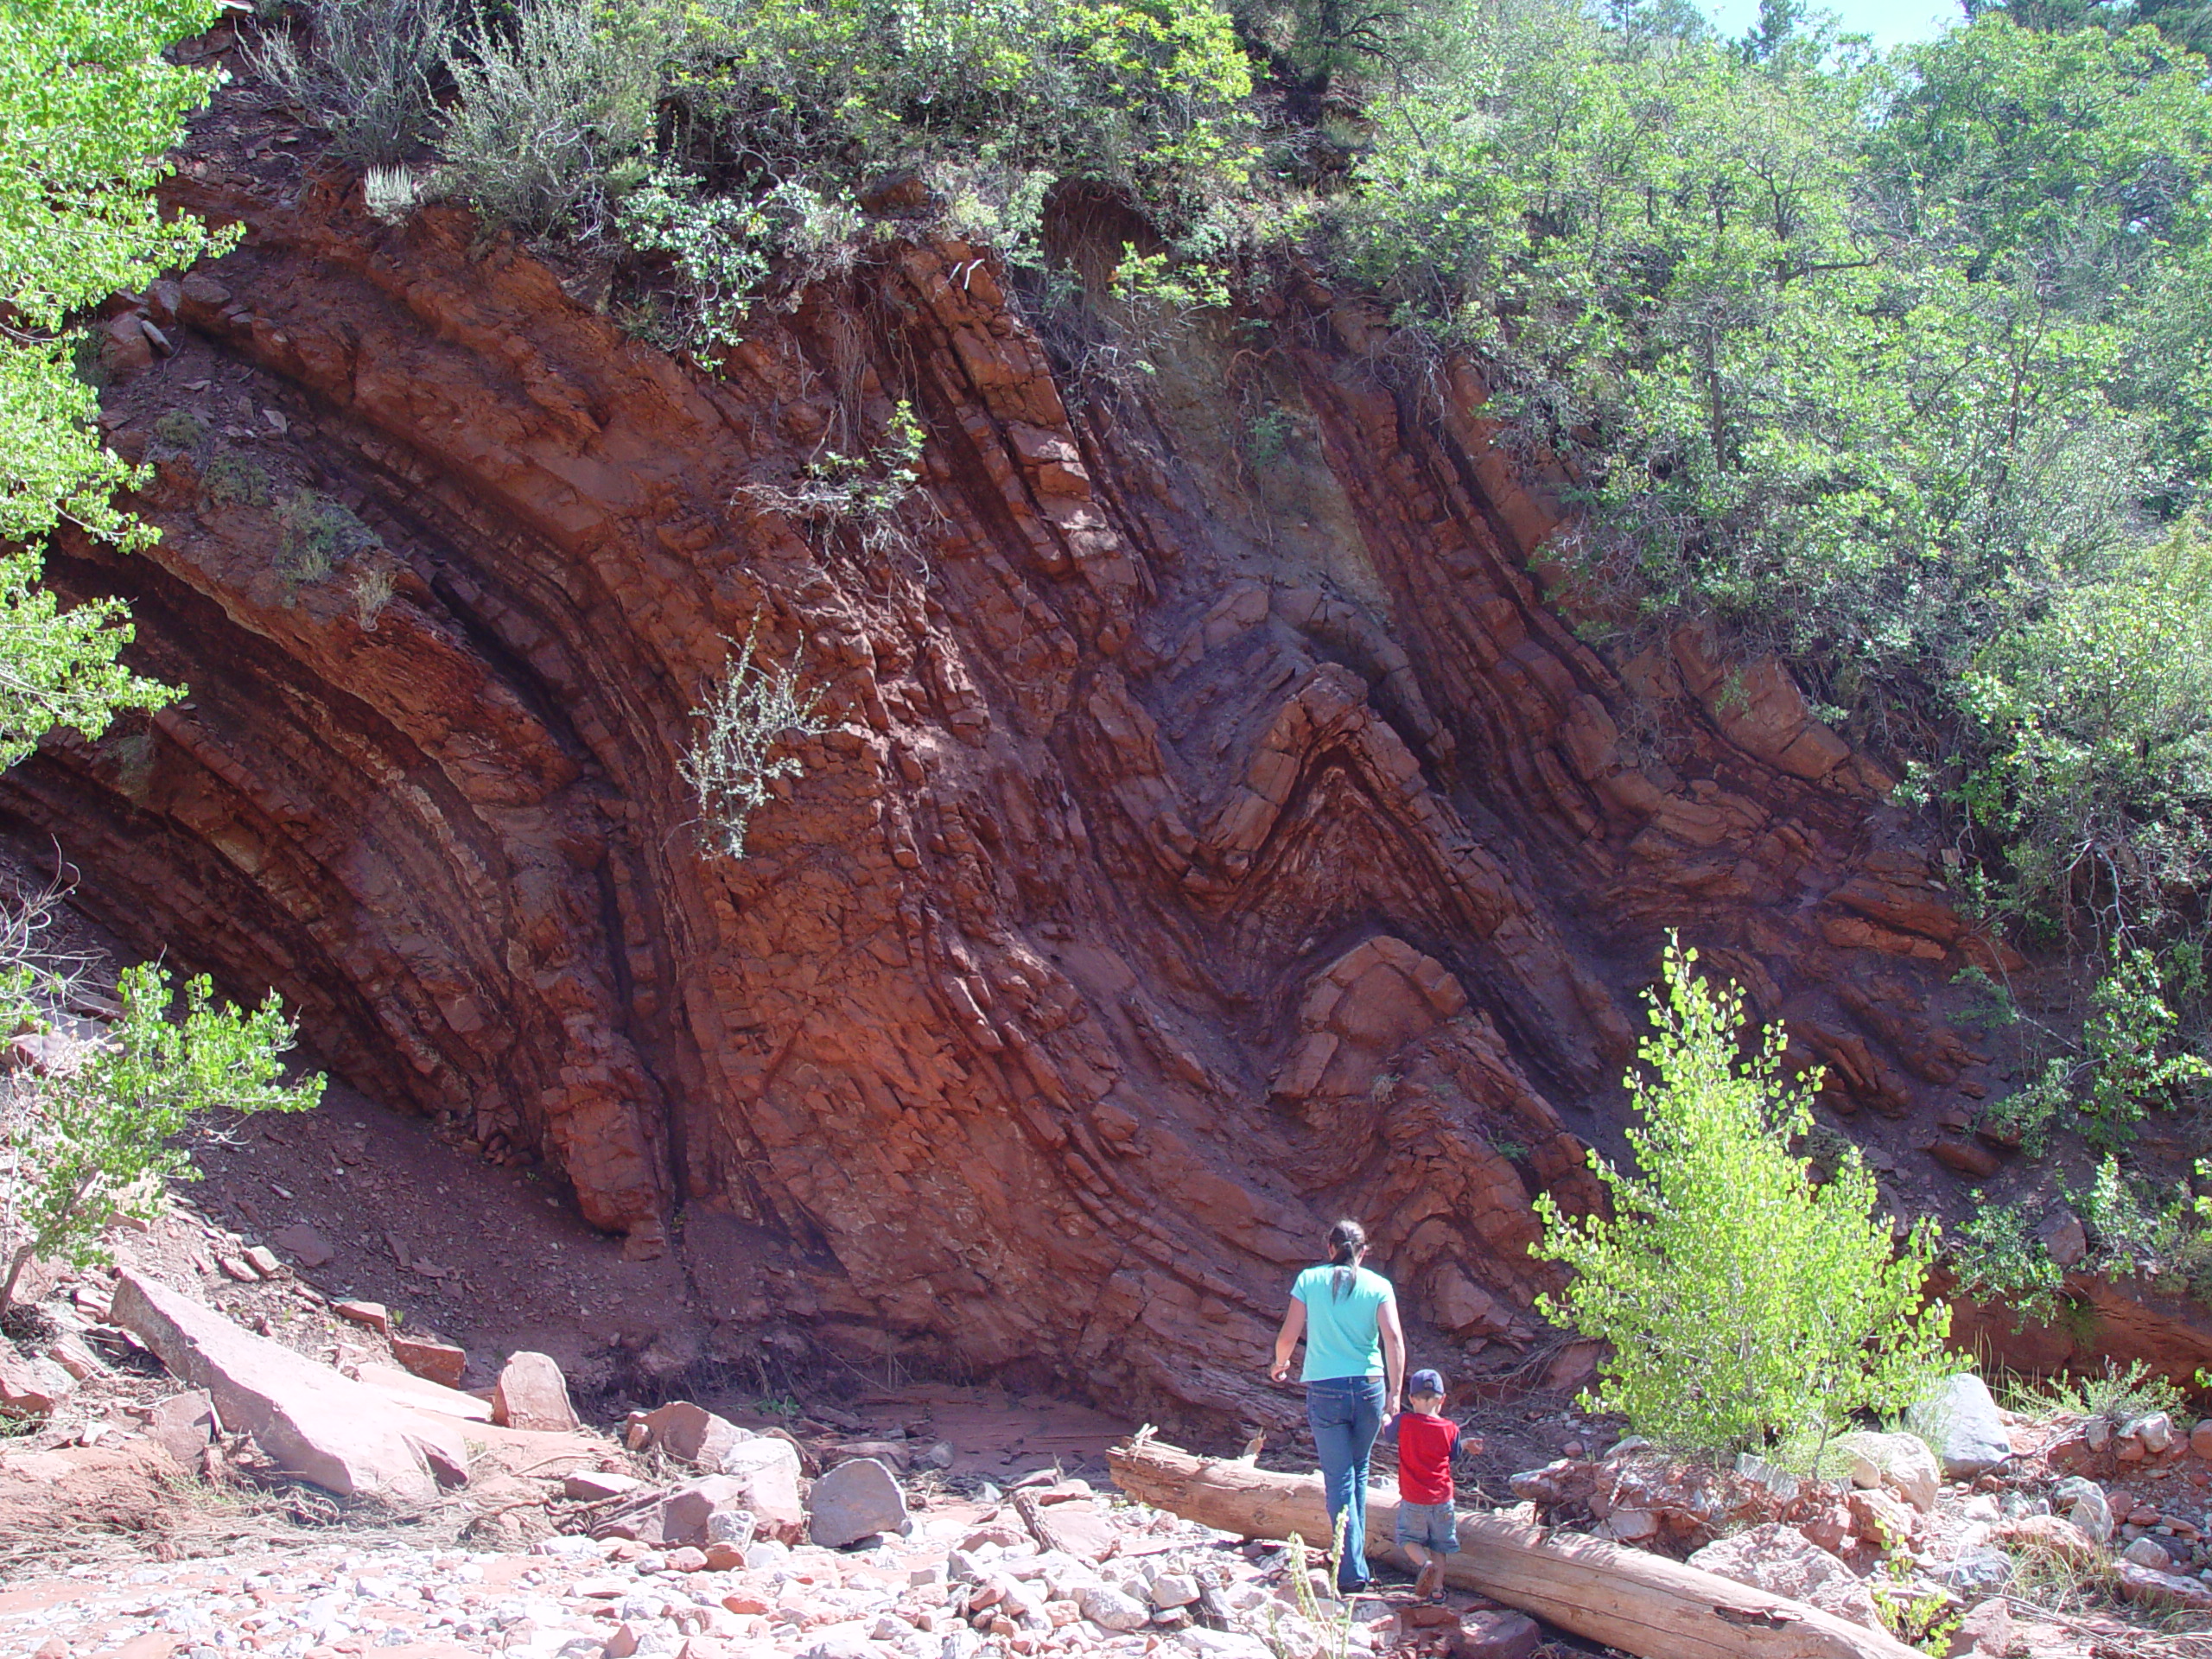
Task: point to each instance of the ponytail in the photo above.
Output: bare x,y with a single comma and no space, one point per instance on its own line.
1347,1243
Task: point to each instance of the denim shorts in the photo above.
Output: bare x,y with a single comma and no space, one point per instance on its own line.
1435,1527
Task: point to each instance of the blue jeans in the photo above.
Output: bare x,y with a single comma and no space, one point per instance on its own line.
1345,1414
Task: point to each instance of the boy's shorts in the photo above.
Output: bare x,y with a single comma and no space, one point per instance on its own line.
1435,1527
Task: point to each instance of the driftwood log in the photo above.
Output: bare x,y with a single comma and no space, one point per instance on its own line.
1626,1598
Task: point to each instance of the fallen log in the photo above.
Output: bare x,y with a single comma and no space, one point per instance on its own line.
1640,1603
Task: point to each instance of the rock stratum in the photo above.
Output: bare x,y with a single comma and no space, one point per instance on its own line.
1204,845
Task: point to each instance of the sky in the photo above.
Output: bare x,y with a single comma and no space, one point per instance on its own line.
1890,22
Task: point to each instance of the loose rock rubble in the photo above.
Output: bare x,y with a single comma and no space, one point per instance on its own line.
2127,1506
968,1578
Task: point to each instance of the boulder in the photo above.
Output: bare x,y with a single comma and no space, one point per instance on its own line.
684,1430
1173,1590
2144,1551
72,1356
769,1468
687,1513
532,1394
1494,1633
182,1424
2083,1502
1110,1610
1976,1574
1901,1462
31,1387
2155,1431
2064,1237
1959,1420
1987,1628
2156,1589
2050,1535
1079,1529
2200,1440
855,1500
1782,1562
427,1356
310,1421
1881,1519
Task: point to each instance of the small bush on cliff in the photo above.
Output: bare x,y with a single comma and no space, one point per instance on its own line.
369,75
753,712
93,1138
551,125
1744,1304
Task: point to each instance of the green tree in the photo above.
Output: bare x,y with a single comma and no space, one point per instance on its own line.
91,110
93,1139
1743,1304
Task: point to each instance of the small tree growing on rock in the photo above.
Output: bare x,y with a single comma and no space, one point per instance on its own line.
750,716
93,1138
1745,1305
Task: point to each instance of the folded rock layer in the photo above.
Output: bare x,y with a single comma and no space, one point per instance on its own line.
1207,839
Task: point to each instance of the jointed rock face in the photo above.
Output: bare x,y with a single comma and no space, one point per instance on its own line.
1206,845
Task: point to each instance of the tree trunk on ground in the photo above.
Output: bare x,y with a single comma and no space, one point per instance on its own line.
1626,1598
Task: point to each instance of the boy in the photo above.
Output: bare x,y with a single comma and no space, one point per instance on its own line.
1428,1526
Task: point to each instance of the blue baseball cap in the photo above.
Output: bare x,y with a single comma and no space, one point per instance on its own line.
1425,1382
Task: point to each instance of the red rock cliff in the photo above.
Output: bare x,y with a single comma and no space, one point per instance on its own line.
1204,847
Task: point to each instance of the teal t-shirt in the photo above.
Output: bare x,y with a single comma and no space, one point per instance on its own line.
1344,1334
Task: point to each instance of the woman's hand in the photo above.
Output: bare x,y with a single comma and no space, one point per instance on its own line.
1279,1372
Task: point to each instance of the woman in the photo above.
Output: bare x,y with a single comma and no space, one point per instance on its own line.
1355,1371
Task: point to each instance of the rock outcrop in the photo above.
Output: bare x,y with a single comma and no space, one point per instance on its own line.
1203,845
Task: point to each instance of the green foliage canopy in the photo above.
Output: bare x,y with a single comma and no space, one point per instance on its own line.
89,110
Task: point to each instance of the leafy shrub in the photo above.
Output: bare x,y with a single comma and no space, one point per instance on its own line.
552,126
317,534
723,248
85,1144
1145,95
2126,1063
370,77
2098,715
1742,1302
862,490
178,431
750,716
2117,1395
230,480
1998,1257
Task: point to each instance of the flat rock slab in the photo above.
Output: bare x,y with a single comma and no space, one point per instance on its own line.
1080,1530
1959,1421
308,1247
440,1362
420,1394
323,1428
856,1500
31,1387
